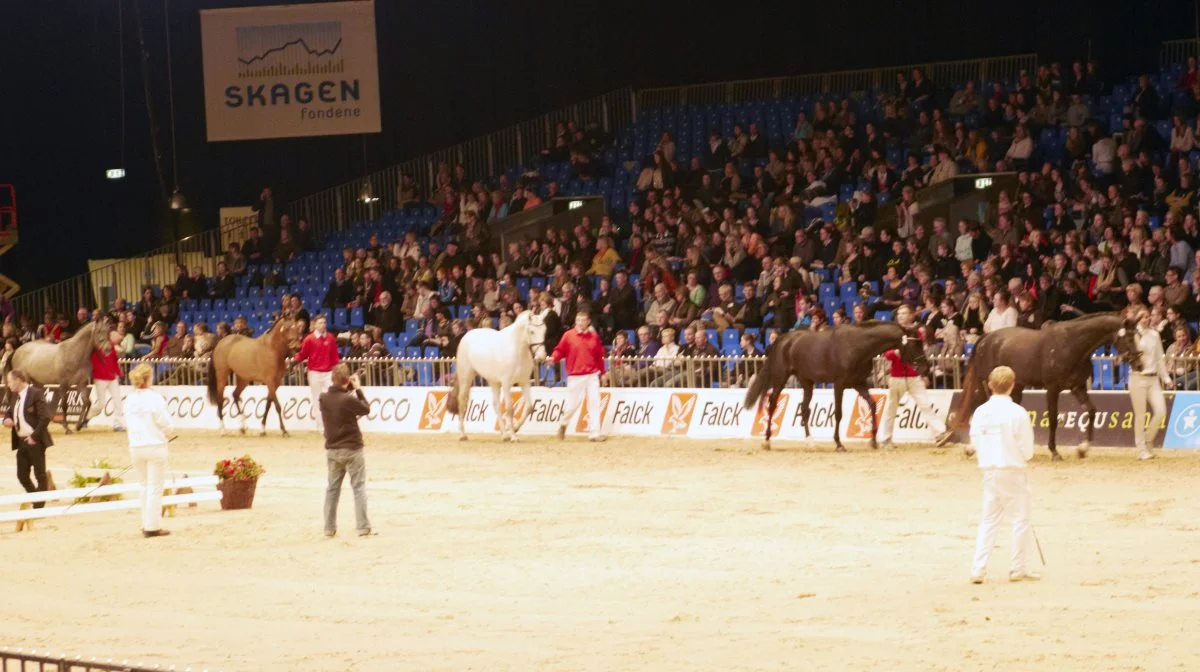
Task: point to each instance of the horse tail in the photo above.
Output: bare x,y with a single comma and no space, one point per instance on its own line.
212,381
758,385
970,387
460,372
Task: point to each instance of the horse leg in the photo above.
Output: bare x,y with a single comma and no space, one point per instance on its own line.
220,386
772,402
509,409
527,392
239,385
806,408
496,406
1052,409
64,392
1081,395
87,407
464,379
865,394
273,398
838,390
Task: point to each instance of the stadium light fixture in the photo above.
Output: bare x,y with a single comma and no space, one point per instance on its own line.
115,173
177,202
367,195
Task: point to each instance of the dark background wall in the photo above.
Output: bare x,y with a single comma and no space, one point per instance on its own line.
449,70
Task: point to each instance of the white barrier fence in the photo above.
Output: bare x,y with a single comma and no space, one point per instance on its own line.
692,413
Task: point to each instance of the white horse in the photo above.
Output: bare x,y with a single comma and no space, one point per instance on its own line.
503,358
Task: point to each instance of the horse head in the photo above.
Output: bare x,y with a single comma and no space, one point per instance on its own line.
287,331
1125,341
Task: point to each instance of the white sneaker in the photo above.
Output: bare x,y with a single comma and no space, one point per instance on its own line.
977,579
1015,577
1146,455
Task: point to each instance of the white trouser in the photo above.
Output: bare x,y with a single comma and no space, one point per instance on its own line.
1005,492
105,390
150,464
915,388
318,382
1143,388
577,388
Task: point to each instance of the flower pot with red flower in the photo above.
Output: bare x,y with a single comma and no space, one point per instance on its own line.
237,479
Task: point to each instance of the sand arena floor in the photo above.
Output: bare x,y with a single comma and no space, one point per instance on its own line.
629,555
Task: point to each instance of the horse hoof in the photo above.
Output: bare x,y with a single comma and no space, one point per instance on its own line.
840,449
766,445
284,432
242,431
263,433
1055,457
874,445
1083,449
969,452
505,439
463,437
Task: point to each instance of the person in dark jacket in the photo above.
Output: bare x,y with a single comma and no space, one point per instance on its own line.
341,407
29,418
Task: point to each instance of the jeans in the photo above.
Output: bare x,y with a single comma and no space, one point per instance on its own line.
150,464
342,461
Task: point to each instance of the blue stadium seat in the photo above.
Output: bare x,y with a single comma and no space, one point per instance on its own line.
356,317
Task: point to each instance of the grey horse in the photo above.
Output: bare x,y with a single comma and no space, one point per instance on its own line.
67,364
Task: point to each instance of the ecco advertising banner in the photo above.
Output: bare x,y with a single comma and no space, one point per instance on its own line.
708,414
290,71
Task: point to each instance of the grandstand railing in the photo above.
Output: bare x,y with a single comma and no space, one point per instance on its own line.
368,197
1001,68
1177,51
947,371
127,277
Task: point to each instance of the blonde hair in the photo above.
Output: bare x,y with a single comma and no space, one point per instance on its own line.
340,375
1001,380
141,375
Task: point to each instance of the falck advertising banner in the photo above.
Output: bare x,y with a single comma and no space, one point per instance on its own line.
290,71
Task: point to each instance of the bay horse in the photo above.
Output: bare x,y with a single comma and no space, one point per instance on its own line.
503,358
261,360
844,355
1057,357
67,364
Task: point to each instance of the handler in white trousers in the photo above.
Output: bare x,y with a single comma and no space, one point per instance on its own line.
106,377
906,379
1002,437
147,427
320,350
1146,384
584,352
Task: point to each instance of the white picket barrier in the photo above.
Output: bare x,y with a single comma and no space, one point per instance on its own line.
24,515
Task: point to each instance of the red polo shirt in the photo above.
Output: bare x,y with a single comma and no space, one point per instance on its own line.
104,366
584,352
320,353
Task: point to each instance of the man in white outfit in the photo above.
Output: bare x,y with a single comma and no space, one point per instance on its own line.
148,425
1002,438
1146,383
906,379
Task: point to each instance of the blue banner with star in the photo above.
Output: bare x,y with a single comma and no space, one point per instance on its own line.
1183,427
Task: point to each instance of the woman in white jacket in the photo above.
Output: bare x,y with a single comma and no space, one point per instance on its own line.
147,426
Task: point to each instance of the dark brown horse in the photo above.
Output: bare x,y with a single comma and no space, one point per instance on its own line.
1057,357
252,360
844,356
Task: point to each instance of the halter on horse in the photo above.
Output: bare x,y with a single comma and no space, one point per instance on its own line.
503,358
844,356
1057,357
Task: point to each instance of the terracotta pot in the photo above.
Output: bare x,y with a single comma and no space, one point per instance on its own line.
237,494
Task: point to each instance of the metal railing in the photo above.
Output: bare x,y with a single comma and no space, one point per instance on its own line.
19,660
1177,51
1001,68
370,196
724,371
126,278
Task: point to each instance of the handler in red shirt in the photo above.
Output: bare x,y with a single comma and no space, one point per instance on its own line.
106,373
584,353
906,379
320,350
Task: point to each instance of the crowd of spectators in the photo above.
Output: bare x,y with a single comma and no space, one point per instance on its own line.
1101,218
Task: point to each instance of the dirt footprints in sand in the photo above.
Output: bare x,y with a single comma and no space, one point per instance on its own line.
1140,512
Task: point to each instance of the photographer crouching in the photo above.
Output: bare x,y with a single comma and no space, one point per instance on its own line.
341,407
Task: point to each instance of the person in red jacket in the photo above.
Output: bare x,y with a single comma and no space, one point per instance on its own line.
906,379
320,350
106,373
584,352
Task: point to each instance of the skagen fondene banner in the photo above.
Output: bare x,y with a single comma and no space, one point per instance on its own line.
1114,419
290,71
